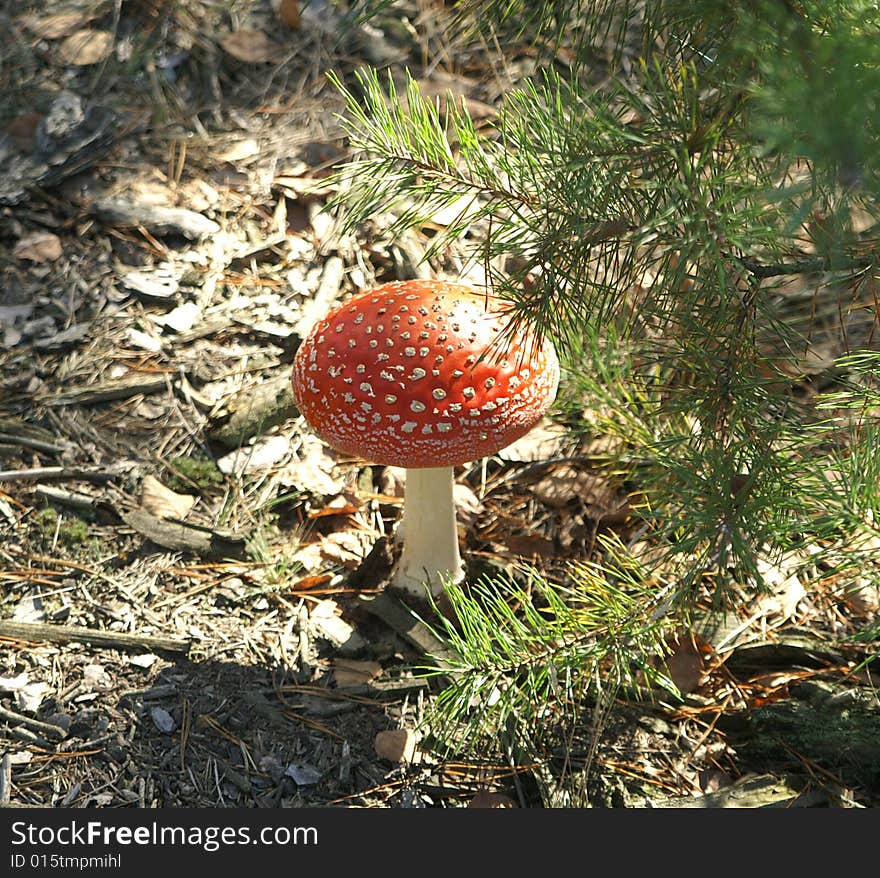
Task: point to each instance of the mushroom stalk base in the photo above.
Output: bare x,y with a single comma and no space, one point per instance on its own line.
429,533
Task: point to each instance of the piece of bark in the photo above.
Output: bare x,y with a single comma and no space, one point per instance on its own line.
155,218
181,537
38,632
254,410
110,390
401,619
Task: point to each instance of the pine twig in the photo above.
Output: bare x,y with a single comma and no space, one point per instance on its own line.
41,632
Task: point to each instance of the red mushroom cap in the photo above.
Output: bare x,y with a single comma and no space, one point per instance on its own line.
416,374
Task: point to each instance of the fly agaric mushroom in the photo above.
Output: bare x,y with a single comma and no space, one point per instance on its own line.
417,374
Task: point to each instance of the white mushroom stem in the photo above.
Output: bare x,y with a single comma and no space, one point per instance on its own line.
429,533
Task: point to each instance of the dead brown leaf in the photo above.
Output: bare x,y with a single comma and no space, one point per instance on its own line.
337,506
540,443
53,27
251,46
85,47
38,247
313,581
288,12
348,548
240,150
531,545
684,664
567,482
396,745
352,672
163,502
315,471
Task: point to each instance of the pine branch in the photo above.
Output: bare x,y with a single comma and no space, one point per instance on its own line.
515,649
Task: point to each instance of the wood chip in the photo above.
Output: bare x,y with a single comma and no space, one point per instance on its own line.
38,247
181,537
155,218
350,672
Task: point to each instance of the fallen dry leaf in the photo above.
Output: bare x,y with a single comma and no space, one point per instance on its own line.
863,597
241,149
314,471
396,745
531,545
288,12
348,548
38,247
53,27
566,482
314,581
85,47
163,502
540,443
684,665
787,591
337,506
351,672
309,557
250,45
468,506
262,455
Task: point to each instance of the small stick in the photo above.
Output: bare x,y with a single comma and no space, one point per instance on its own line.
18,719
38,632
29,442
57,472
5,780
20,733
74,499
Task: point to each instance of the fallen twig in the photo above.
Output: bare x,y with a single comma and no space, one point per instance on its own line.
30,442
57,472
5,780
40,632
110,391
18,719
74,499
